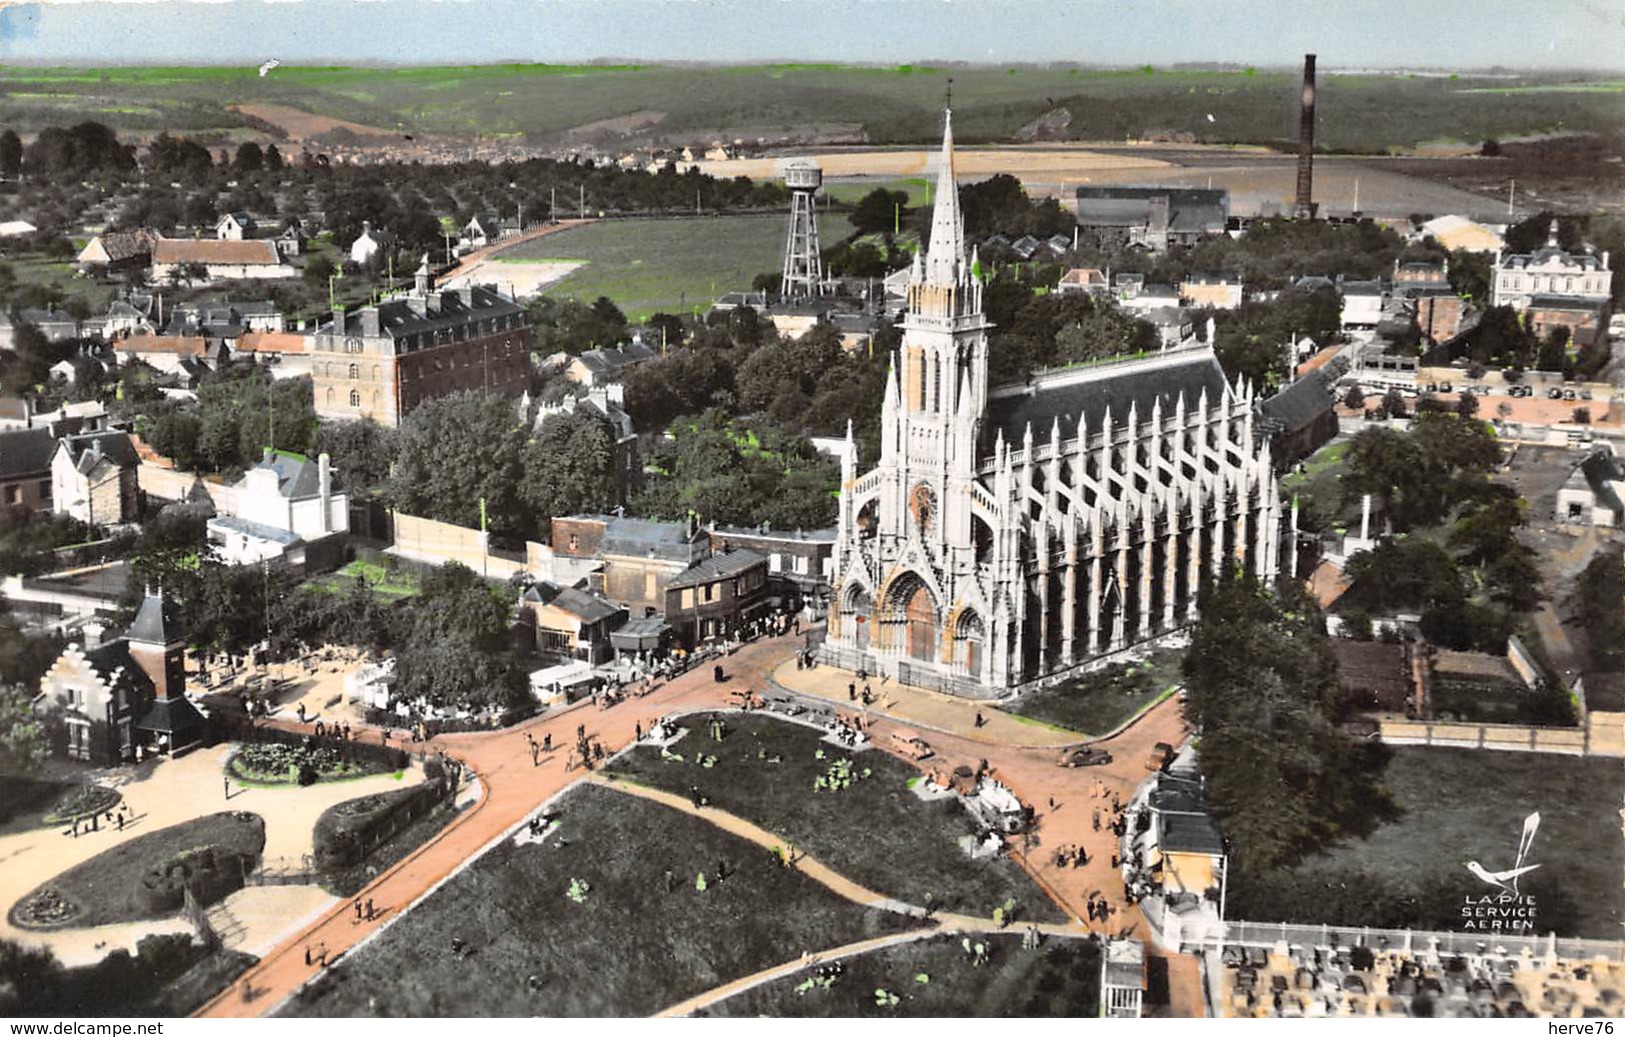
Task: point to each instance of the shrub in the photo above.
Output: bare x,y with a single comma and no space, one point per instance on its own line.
346,832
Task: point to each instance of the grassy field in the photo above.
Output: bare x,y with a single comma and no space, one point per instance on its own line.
670,265
632,945
1098,702
1463,805
108,887
389,584
851,192
875,832
937,977
883,105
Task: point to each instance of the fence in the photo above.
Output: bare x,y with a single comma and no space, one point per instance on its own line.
1565,741
283,871
1268,934
906,672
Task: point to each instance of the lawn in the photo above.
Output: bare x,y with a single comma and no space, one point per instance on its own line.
1099,702
629,944
663,265
937,977
390,584
850,192
142,878
20,795
876,832
1463,805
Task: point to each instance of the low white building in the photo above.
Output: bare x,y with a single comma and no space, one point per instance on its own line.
241,542
293,494
1362,303
364,247
1594,493
221,260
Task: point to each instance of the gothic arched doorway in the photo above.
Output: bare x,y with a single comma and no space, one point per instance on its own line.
968,642
857,616
921,616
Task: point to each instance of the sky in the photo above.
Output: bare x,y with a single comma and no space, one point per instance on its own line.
1460,34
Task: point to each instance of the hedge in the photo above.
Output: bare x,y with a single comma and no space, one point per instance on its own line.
347,832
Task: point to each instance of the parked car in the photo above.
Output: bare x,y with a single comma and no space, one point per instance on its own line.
910,744
1160,756
1569,394
1585,394
1083,756
1433,387
1554,394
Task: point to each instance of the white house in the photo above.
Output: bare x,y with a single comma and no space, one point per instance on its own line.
232,260
93,478
234,226
292,494
1551,271
363,248
1362,303
16,228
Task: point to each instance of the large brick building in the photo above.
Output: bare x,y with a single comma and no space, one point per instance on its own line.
380,361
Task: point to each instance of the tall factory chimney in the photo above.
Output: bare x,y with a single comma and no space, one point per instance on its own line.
1304,205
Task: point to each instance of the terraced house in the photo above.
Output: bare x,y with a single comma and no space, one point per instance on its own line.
382,360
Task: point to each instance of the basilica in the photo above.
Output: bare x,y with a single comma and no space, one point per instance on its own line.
1016,532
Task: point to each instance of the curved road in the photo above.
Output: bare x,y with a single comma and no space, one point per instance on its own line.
511,789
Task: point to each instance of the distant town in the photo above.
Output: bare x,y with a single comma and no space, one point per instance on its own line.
777,575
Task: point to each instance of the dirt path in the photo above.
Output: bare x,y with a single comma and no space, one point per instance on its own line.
511,789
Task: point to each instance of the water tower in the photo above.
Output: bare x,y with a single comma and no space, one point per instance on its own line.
803,269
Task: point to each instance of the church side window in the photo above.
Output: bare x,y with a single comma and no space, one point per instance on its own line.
355,371
355,397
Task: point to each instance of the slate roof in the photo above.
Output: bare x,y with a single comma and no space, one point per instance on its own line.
157,621
1548,254
171,716
1601,470
603,361
26,451
397,318
1189,833
644,537
208,250
1567,302
1089,391
297,478
717,567
85,450
587,607
1300,404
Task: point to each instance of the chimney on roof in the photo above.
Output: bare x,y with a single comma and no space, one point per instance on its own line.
93,632
1304,205
324,480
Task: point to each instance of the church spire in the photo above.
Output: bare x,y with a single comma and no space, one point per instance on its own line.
945,258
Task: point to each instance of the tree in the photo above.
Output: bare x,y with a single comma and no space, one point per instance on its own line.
1601,599
456,453
273,159
1581,415
1283,780
1470,275
569,467
250,158
1354,399
361,452
878,211
23,744
1467,404
456,653
11,155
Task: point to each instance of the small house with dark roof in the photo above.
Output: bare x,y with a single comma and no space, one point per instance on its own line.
571,623
714,598
118,250
25,469
93,478
235,226
1301,417
601,366
1594,493
118,701
800,562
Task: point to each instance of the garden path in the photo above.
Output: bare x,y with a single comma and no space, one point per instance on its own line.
160,793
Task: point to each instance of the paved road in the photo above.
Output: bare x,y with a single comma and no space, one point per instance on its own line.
512,789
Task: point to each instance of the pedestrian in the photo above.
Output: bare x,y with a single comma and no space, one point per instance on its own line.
357,906
694,795
851,692
370,912
547,742
1052,802
121,820
637,730
321,956
1115,861
225,783
307,956
981,721
1081,859
598,750
1097,819
535,755
801,664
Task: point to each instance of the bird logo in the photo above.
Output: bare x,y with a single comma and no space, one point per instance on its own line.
266,68
1508,880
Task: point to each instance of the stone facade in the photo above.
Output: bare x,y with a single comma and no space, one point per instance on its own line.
1551,271
1010,534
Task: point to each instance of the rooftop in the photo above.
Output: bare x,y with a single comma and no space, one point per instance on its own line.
717,567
